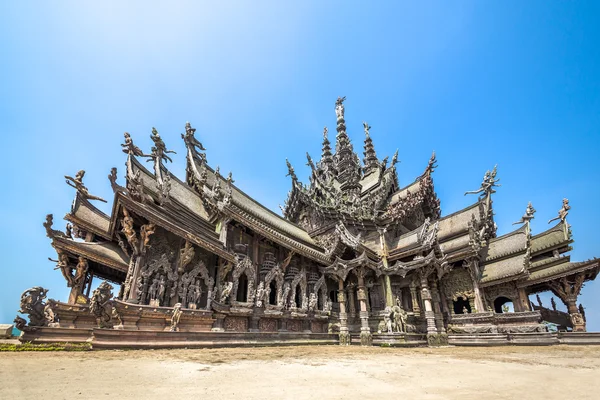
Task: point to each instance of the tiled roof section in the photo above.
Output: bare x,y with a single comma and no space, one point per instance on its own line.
407,241
106,253
251,206
550,238
511,243
87,216
504,268
540,263
370,181
179,192
455,244
402,193
458,222
559,270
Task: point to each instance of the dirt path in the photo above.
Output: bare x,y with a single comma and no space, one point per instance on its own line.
327,372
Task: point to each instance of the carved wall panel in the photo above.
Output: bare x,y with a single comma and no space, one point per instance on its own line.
508,290
294,325
457,284
236,324
267,325
317,327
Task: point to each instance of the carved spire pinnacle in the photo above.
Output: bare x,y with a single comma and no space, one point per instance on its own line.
370,161
326,156
291,171
346,161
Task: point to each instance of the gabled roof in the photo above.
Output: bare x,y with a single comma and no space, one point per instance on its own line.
85,215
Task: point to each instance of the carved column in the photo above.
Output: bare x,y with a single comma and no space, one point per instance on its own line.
568,289
344,334
351,301
366,339
476,303
439,319
524,300
415,301
429,314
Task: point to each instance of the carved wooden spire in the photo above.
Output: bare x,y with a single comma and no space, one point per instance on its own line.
370,161
326,156
346,160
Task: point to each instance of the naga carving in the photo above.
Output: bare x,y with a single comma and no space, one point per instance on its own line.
32,304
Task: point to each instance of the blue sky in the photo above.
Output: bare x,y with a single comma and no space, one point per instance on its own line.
481,83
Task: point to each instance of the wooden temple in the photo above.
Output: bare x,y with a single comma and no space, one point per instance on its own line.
355,257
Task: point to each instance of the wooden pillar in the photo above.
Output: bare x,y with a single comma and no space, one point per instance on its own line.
429,314
344,334
366,339
415,301
437,309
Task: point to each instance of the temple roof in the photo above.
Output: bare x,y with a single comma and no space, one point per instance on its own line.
555,236
85,215
561,269
506,256
106,253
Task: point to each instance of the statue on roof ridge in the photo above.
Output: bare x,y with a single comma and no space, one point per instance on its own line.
190,140
129,147
528,216
159,150
291,171
310,162
325,131
339,107
366,127
488,183
431,165
395,158
563,212
77,183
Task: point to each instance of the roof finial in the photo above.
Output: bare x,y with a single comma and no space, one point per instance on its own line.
291,171
528,216
563,212
339,108
370,161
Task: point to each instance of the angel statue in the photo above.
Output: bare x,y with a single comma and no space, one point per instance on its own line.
339,107
190,140
528,215
488,184
129,147
77,183
563,212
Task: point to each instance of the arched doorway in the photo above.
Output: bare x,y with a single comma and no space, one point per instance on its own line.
242,292
273,293
298,297
503,304
460,305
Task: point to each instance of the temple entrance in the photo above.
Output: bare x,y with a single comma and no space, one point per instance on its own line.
461,305
273,293
242,293
503,304
298,297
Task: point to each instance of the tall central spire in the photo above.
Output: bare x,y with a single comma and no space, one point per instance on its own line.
347,163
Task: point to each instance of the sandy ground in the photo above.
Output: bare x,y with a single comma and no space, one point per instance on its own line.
306,372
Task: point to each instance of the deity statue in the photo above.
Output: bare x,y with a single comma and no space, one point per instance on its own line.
161,287
81,270
291,170
312,302
159,150
129,232
197,292
226,292
32,304
190,140
366,127
101,305
488,183
260,293
191,293
528,215
146,231
286,293
63,264
339,108
77,183
130,148
69,231
153,289
563,212
175,317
